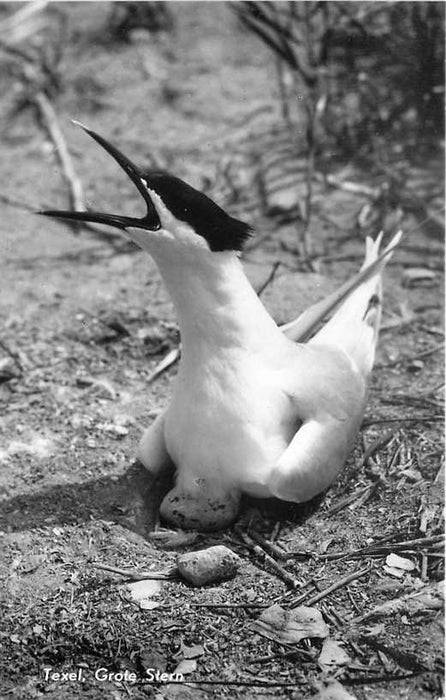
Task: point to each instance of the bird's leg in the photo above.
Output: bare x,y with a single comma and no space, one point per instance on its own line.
201,506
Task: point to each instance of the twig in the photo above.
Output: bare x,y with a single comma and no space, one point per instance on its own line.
230,605
365,495
365,680
51,123
14,354
282,655
347,501
431,331
407,399
277,568
275,531
374,447
269,279
423,573
138,575
269,547
327,613
336,586
421,419
352,187
170,359
23,23
380,549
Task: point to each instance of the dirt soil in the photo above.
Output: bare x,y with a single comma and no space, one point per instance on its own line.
84,324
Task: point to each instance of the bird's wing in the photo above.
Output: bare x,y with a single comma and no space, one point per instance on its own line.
328,395
307,323
152,451
313,459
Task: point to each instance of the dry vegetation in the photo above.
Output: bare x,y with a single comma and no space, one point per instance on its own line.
86,322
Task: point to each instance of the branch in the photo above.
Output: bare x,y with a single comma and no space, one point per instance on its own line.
51,123
138,575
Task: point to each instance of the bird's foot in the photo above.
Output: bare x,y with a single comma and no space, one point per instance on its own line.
200,508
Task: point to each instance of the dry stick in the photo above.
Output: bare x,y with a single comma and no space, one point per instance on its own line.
269,279
275,531
138,575
211,606
432,331
51,123
49,118
420,542
363,680
336,586
229,605
365,495
326,612
168,360
422,419
14,354
376,445
277,568
352,187
423,573
21,17
405,399
346,501
269,547
282,655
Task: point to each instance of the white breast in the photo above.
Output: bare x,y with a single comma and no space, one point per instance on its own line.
229,421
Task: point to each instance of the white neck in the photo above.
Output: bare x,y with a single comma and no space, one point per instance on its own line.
216,305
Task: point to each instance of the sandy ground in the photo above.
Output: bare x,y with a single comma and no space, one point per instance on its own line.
88,322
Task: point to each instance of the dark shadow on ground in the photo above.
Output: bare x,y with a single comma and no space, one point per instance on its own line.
255,513
131,500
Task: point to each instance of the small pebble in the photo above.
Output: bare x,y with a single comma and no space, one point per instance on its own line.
209,565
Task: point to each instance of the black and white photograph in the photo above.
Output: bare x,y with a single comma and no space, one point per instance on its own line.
222,350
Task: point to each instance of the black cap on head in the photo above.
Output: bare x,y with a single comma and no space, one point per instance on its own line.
207,219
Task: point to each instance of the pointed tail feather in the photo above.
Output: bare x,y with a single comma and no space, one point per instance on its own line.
354,326
303,327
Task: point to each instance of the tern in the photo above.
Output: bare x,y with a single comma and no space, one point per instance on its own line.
256,408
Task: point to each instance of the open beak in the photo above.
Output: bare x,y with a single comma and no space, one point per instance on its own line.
150,221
